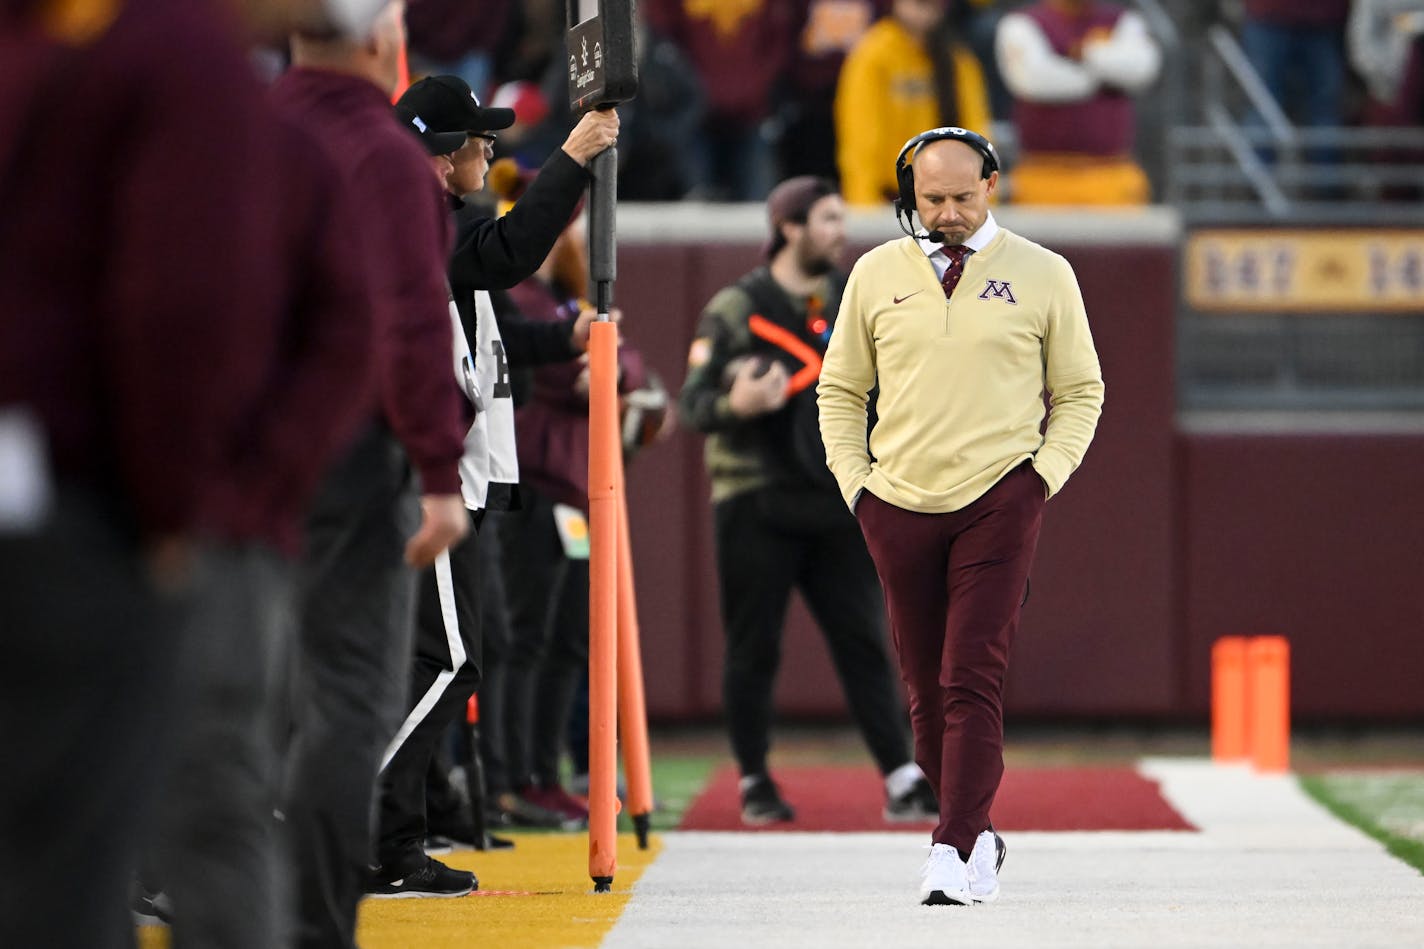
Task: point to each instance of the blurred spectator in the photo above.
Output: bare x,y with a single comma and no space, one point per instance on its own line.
531,108
301,387
534,42
978,21
1386,44
741,51
1384,41
1074,66
458,37
828,31
908,73
1299,50
658,155
161,390
357,588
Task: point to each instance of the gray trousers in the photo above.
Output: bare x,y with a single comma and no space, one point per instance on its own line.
218,854
356,600
85,686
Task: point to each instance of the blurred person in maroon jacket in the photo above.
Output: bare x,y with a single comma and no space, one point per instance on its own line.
1074,67
295,388
169,397
741,51
357,608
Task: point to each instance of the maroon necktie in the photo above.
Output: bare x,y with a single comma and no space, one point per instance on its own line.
956,256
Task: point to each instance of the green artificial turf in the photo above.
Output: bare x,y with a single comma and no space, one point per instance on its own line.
677,780
1387,805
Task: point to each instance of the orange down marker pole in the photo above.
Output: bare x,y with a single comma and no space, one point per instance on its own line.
1229,684
1268,659
604,460
632,707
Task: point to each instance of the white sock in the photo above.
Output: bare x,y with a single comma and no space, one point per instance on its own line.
749,780
899,781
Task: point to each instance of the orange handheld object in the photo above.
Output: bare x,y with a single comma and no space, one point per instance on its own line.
781,337
604,461
1229,700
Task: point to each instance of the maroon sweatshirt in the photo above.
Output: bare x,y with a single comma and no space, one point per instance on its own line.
740,50
148,317
298,384
404,231
1104,124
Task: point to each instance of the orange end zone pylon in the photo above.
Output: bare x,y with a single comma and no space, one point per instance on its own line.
1250,701
1228,700
1268,658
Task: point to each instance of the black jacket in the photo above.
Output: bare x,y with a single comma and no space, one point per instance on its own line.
497,253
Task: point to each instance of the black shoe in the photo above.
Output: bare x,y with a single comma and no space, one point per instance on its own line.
430,879
497,843
762,804
916,805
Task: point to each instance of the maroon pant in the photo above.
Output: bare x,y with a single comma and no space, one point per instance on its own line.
953,587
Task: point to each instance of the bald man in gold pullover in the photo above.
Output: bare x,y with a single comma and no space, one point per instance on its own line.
963,336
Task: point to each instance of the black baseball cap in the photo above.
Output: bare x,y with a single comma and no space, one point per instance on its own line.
447,103
436,143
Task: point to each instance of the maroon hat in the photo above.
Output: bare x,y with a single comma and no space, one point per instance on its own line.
791,202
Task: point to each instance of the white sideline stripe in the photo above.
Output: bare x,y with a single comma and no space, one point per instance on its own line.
1268,868
445,586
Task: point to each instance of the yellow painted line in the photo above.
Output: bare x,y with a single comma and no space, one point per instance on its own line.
536,896
560,910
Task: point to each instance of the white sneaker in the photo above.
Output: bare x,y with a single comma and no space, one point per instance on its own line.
945,878
984,862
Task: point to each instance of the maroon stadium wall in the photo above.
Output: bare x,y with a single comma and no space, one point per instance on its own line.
1164,540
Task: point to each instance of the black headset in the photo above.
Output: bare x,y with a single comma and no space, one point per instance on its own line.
905,171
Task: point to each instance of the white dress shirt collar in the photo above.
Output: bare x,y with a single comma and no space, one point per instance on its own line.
976,242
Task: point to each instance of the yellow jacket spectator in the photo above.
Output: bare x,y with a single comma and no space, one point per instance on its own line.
905,75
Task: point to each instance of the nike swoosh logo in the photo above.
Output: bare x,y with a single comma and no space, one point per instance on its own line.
899,300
